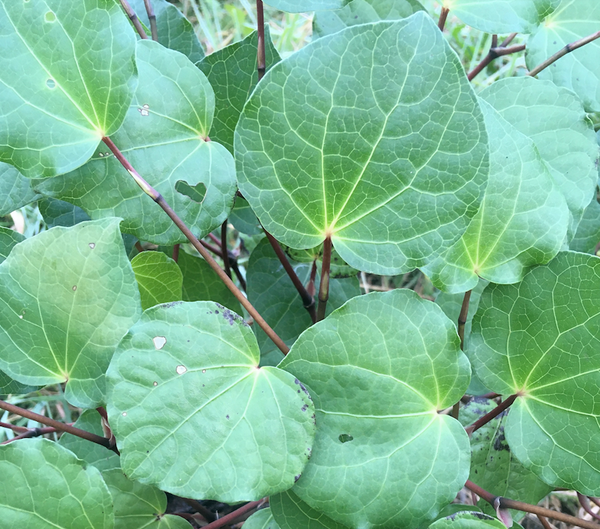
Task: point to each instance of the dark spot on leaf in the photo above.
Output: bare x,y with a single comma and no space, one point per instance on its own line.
481,516
171,304
296,478
305,407
230,316
216,312
345,438
227,417
500,442
195,193
51,83
296,381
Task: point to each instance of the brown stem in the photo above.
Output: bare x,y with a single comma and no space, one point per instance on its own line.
34,432
494,53
14,428
508,40
324,286
491,415
59,425
544,521
233,515
505,503
307,299
563,51
157,197
584,501
310,288
209,516
443,17
138,246
462,318
176,252
152,19
261,64
238,273
212,249
134,19
224,250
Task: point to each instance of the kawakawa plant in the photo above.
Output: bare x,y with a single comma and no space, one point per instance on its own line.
366,151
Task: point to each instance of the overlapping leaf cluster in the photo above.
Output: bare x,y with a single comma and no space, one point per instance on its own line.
371,137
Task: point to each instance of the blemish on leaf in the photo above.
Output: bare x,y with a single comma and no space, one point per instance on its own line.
51,83
296,381
21,316
155,383
500,442
159,342
181,370
230,316
345,438
227,417
195,193
305,407
92,245
124,414
296,478
50,16
144,110
74,288
204,370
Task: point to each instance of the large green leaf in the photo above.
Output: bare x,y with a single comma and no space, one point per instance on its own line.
92,453
62,89
174,30
8,239
373,136
158,277
379,370
555,120
15,189
275,297
67,296
233,75
45,486
293,6
362,12
201,283
522,222
579,70
139,506
163,137
502,16
290,512
193,413
493,466
540,339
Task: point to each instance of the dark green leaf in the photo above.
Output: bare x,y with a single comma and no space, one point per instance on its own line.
8,239
468,520
290,512
292,6
159,278
15,189
60,213
587,237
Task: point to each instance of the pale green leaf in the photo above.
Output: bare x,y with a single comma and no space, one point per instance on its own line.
262,519
193,413
233,74
60,213
293,6
522,222
556,122
38,472
579,70
587,237
67,296
60,91
201,283
290,512
469,520
493,466
15,190
502,16
273,294
389,158
93,454
159,278
163,137
174,30
379,370
362,12
540,339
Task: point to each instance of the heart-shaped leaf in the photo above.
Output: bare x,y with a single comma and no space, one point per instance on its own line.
194,414
362,12
163,137
540,339
67,296
54,112
35,471
502,16
379,370
386,159
580,70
